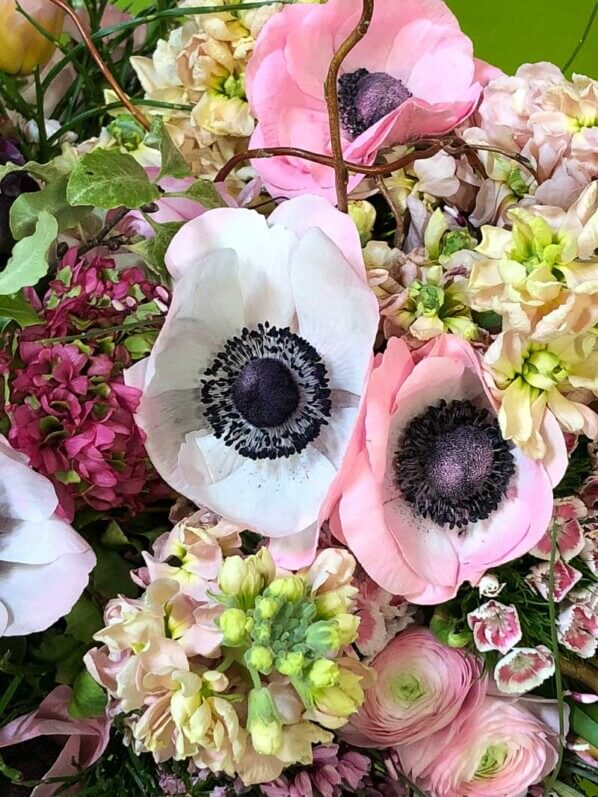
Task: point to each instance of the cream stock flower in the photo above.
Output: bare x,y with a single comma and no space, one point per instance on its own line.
530,378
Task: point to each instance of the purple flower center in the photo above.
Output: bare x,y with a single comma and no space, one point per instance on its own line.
266,393
453,464
365,97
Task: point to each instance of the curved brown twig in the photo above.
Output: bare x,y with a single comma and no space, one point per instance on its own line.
340,167
93,51
581,671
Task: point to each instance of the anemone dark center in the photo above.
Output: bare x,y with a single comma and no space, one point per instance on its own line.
365,97
265,392
453,464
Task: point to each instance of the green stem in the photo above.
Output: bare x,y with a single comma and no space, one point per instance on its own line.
40,116
557,661
582,41
95,333
9,693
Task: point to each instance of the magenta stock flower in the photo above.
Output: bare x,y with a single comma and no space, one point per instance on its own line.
74,744
412,75
431,493
495,626
421,687
523,669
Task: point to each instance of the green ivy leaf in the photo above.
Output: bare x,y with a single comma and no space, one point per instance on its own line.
83,620
173,162
17,308
29,260
153,250
44,171
110,179
52,198
112,575
88,699
204,192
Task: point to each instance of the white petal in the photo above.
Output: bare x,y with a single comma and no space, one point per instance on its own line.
334,437
24,493
337,313
36,543
182,356
274,497
219,461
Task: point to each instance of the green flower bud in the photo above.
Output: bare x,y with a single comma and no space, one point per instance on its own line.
234,87
324,674
347,625
262,633
517,183
266,607
430,299
364,215
259,658
290,588
127,131
233,624
264,722
543,369
291,663
323,636
456,240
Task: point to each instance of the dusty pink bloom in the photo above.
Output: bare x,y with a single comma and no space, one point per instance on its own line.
495,626
570,539
44,563
412,75
500,750
72,415
69,742
382,616
565,578
431,494
421,686
578,629
523,669
332,773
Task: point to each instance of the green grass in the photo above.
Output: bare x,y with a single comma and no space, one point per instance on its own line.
511,32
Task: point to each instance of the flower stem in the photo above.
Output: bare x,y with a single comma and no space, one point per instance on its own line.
557,661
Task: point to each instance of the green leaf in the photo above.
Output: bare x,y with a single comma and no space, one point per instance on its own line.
88,699
84,620
204,192
584,725
29,260
55,647
112,575
110,179
52,198
17,308
140,345
44,171
153,250
173,162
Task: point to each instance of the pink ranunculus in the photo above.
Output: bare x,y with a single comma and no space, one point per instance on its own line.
495,626
498,751
44,563
431,494
523,669
412,75
421,687
78,743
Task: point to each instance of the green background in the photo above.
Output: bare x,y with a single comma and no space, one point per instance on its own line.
511,32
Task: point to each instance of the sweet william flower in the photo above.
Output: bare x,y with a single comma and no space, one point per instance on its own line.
22,47
578,629
412,75
44,563
565,578
417,508
495,626
570,540
254,384
523,669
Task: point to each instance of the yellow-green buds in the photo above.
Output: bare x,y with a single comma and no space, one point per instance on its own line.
323,636
324,674
233,624
246,578
259,658
22,47
364,215
290,588
264,722
291,663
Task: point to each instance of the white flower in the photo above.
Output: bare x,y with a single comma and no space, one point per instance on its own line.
252,390
44,563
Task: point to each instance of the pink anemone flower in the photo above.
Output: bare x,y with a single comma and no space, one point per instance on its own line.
412,75
431,495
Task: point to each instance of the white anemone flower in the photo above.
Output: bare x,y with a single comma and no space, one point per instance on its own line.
44,563
253,388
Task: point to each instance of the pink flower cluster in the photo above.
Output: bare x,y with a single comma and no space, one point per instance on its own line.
331,775
69,408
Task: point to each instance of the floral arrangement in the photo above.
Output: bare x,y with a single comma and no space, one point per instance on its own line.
299,361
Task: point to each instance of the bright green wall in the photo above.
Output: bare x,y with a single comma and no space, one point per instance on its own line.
511,32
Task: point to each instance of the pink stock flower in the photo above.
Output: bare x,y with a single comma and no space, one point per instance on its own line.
412,75
565,578
72,415
498,751
495,626
63,745
332,774
570,539
421,687
44,563
578,629
431,494
523,669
